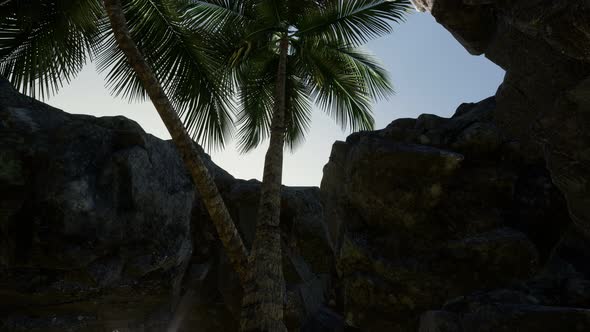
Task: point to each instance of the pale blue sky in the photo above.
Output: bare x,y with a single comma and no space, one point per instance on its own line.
431,72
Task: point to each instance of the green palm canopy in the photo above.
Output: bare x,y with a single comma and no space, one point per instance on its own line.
211,55
282,57
147,50
46,43
325,67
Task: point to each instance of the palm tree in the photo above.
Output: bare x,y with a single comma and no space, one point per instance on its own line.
287,55
44,43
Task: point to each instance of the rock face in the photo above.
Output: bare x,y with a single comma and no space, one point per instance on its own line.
544,103
432,222
101,230
430,209
480,222
507,318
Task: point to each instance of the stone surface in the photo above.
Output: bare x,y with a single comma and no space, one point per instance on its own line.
88,225
544,46
543,105
479,222
101,230
429,209
505,317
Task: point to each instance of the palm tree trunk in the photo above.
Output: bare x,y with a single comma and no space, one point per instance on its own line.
263,302
230,238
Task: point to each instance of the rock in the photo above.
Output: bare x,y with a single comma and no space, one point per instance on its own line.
101,229
506,317
471,22
326,320
479,222
416,222
90,219
307,252
545,49
422,5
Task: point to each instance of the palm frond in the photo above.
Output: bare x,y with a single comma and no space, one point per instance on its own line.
353,21
256,80
336,86
185,63
45,43
215,15
298,112
369,69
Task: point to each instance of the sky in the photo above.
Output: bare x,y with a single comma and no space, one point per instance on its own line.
432,73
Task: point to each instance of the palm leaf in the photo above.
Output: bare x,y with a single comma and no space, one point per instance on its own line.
185,64
335,86
45,43
353,22
270,12
256,79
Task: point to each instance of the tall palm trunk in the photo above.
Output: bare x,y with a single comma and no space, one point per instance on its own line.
263,301
230,238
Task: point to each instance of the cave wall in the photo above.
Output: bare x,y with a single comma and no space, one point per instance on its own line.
479,222
101,229
544,103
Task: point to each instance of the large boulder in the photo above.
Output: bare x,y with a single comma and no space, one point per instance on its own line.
544,103
94,222
430,209
504,310
101,230
479,222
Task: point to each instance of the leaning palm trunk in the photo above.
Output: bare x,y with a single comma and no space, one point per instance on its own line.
263,302
214,204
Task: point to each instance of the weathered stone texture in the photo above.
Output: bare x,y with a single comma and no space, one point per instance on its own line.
101,229
430,209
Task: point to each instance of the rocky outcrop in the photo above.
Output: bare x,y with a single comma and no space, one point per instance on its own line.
435,222
101,230
479,222
430,209
544,103
543,106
